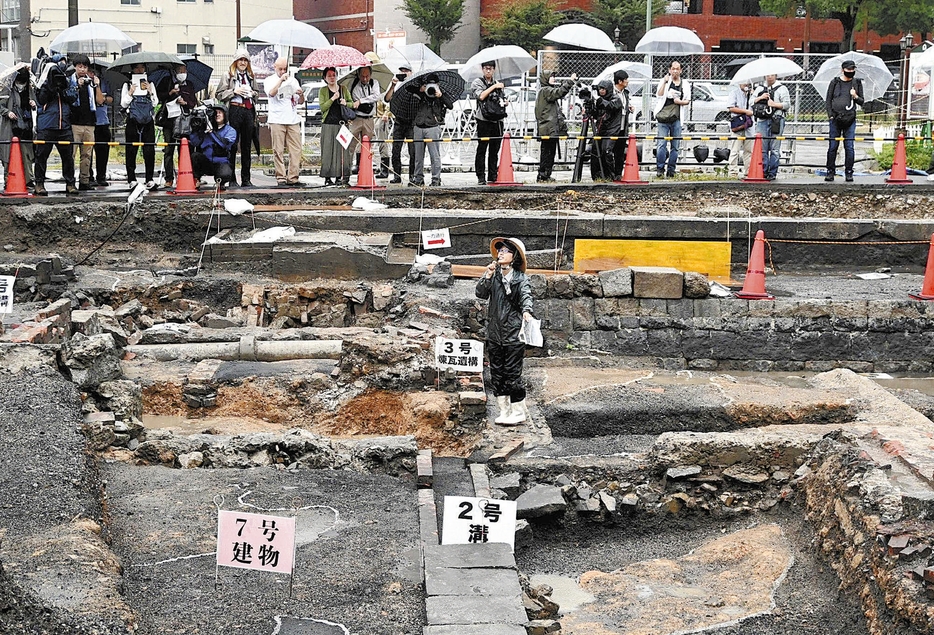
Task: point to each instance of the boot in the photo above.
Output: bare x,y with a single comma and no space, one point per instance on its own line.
383,169
516,413
504,409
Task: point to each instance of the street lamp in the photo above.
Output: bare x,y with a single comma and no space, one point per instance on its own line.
616,43
905,44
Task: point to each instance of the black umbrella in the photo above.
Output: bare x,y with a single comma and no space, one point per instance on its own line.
199,74
152,60
405,102
731,67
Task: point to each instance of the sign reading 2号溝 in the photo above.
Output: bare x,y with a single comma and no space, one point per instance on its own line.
478,520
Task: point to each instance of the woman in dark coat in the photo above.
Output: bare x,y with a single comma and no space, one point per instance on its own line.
507,288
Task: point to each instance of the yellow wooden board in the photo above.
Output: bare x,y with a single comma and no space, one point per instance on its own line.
709,258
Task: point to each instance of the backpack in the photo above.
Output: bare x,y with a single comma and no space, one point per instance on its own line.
140,110
761,109
842,106
493,108
364,108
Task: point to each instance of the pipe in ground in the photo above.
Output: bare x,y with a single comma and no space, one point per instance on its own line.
248,348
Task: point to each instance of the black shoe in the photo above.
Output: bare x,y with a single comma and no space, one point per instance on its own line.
416,184
829,178
84,187
246,184
435,182
294,184
355,170
345,182
382,175
659,174
481,182
328,182
849,178
102,183
396,179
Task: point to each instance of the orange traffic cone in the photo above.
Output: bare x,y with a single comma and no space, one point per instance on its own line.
631,171
365,178
899,174
754,284
15,177
504,175
185,183
927,287
755,174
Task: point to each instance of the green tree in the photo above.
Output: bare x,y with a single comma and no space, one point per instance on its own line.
903,16
438,19
628,15
523,24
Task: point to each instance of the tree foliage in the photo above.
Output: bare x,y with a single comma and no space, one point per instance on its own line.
523,23
438,19
628,15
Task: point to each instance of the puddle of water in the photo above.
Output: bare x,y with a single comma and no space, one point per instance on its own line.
567,592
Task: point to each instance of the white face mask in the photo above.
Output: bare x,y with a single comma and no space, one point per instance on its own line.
181,77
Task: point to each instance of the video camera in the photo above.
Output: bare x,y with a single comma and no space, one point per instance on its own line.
587,100
55,70
199,119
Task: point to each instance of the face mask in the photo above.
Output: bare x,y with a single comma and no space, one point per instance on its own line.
182,77
849,73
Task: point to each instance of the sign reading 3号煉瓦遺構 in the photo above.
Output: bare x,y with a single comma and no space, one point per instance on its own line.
436,238
461,355
255,541
470,521
6,294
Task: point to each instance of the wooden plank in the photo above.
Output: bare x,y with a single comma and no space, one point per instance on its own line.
709,258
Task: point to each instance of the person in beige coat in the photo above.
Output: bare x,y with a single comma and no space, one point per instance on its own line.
239,90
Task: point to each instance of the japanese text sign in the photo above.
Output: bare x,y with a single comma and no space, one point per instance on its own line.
465,355
6,294
344,137
478,520
255,541
436,238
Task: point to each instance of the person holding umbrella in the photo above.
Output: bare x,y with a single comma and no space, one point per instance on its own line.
139,100
84,116
673,94
17,102
489,113
365,93
843,95
177,95
335,160
239,91
401,130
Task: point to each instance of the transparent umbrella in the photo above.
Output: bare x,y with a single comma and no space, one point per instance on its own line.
582,36
756,70
291,33
417,57
511,61
669,40
873,72
91,37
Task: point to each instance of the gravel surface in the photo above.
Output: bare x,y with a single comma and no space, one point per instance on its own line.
806,602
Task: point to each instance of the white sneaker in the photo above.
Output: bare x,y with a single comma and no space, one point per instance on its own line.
150,185
133,185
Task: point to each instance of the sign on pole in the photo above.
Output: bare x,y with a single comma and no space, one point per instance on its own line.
436,238
460,355
255,541
469,521
6,293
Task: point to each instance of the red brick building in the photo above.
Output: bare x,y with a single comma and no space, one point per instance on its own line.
347,22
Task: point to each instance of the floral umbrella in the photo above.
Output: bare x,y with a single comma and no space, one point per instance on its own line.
336,56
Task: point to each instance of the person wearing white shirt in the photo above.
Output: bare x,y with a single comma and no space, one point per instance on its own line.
285,94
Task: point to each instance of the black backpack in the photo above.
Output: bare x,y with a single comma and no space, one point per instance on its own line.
493,108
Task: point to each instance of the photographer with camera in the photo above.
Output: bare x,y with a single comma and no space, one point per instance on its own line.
769,101
139,100
17,101
364,90
212,143
551,121
84,116
56,96
285,124
489,113
608,118
433,104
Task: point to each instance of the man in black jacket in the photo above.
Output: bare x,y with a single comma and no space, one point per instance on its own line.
608,117
843,95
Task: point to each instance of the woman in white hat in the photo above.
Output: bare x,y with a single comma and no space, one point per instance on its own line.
507,288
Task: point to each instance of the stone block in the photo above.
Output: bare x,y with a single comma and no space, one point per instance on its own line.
559,286
538,285
491,555
458,609
469,582
475,629
508,483
616,282
657,282
586,285
428,519
541,500
707,307
582,314
696,285
556,315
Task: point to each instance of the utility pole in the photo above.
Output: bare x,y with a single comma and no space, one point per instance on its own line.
72,12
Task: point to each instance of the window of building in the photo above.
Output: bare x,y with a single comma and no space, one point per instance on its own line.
735,7
747,46
9,11
136,2
208,48
186,49
188,1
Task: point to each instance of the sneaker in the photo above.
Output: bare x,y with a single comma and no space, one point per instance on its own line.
71,190
829,178
168,185
151,185
282,184
84,187
133,185
395,179
481,181
102,183
435,182
328,183
849,178
40,191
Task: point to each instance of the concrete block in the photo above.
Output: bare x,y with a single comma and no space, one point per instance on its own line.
468,582
490,555
475,629
447,609
616,282
541,500
481,480
657,282
428,518
423,469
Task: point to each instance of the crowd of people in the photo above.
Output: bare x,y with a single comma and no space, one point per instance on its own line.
72,115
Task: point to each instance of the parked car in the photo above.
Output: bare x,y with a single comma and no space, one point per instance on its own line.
707,108
312,107
520,113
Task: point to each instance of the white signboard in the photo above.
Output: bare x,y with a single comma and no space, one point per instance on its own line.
469,521
6,293
344,136
436,238
465,355
388,40
255,541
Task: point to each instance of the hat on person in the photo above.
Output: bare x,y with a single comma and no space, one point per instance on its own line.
405,67
241,54
489,63
516,246
848,65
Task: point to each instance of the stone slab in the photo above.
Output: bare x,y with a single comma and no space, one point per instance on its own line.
492,555
488,609
541,500
427,518
657,282
475,629
481,480
466,582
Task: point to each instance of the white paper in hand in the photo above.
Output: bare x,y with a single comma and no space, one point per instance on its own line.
344,136
531,332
